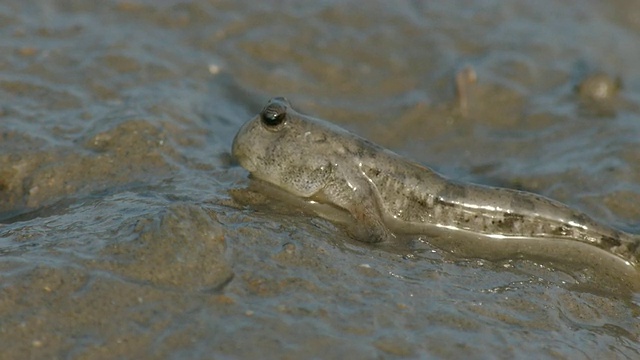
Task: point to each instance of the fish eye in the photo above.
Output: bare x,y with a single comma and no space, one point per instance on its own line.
274,113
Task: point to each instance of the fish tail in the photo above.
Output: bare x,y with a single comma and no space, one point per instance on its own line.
630,249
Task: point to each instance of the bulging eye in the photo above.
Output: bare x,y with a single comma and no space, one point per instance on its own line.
274,113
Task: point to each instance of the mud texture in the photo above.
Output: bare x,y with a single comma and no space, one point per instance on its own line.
127,231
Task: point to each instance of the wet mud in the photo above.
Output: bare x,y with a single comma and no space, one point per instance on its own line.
128,231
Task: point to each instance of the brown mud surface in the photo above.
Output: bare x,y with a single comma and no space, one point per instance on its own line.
127,231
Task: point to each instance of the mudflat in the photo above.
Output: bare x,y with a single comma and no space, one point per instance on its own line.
127,230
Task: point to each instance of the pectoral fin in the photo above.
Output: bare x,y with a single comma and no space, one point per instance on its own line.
362,203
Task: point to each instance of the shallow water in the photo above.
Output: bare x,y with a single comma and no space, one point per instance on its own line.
127,231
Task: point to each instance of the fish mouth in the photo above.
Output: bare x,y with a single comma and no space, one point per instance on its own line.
248,165
244,161
238,153
235,146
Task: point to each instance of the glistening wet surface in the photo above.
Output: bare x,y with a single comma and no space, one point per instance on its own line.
127,231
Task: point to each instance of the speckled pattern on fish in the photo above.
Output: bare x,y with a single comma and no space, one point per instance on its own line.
388,195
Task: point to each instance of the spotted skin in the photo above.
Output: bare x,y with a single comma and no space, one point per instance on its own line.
388,195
